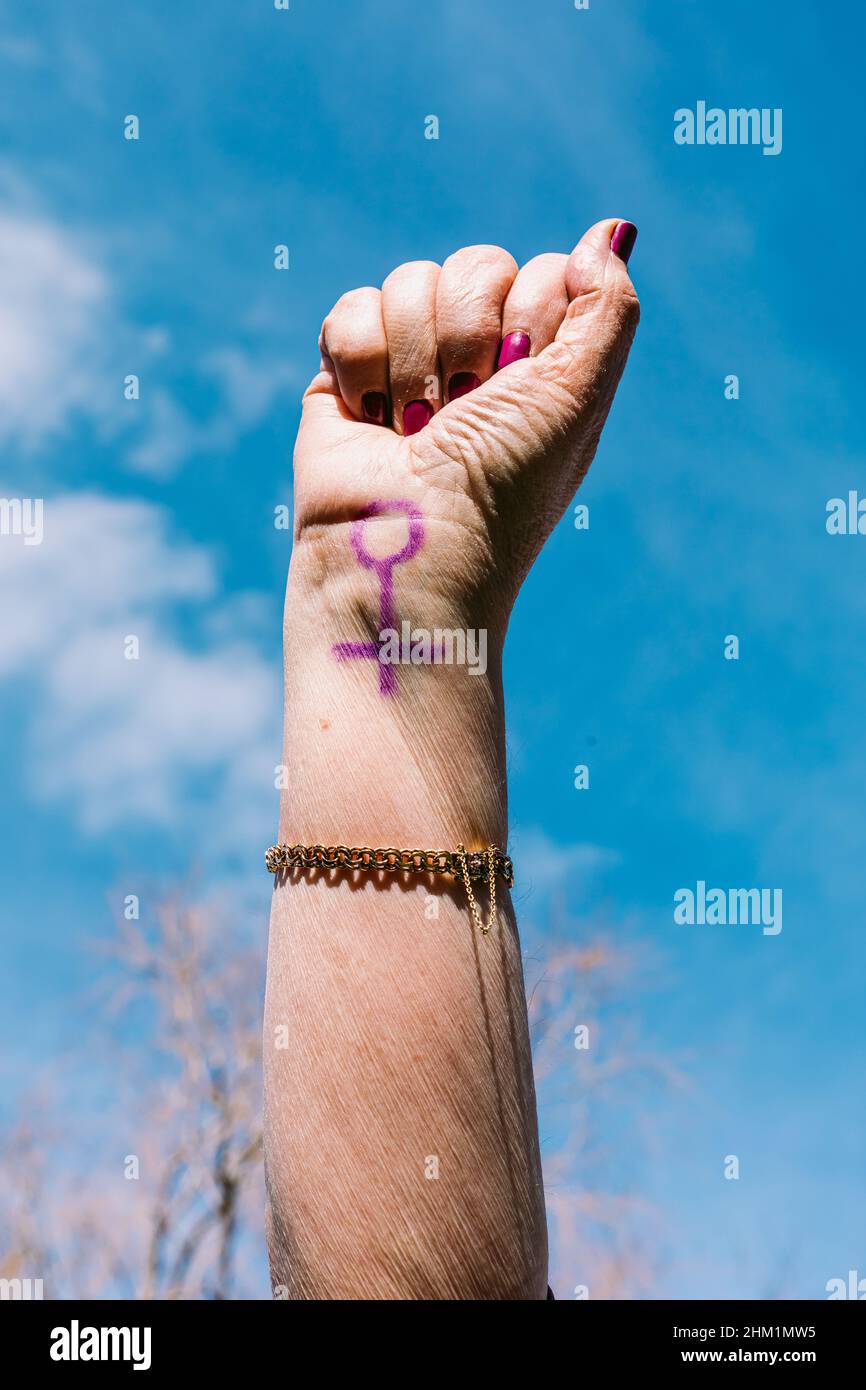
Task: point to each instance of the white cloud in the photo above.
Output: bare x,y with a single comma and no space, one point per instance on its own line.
248,386
546,864
53,311
170,437
66,346
20,51
139,741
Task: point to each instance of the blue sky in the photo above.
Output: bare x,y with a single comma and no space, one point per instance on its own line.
706,518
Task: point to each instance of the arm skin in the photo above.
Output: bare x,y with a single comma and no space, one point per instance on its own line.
407,1033
396,1040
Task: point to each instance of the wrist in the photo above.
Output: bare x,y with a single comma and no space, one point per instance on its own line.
372,573
416,623
404,751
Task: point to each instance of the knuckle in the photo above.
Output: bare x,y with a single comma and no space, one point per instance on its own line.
362,352
491,266
465,348
615,296
482,254
345,343
410,270
347,330
629,305
353,300
547,261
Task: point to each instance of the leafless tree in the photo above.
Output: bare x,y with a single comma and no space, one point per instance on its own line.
595,1077
163,1196
147,1182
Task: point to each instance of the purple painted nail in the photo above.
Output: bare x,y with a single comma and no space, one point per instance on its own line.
416,415
514,346
461,384
623,240
373,407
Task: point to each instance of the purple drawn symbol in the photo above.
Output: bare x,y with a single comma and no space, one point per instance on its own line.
384,568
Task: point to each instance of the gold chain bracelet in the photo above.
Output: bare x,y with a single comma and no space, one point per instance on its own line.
460,863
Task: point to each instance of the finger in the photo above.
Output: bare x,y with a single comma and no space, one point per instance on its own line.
409,315
592,343
535,307
472,289
324,383
597,267
353,339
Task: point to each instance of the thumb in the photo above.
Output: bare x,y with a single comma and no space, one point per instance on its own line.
584,363
603,308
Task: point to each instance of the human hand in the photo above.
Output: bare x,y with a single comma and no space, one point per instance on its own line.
474,394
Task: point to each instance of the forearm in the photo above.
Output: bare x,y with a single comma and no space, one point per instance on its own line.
401,1137
407,1045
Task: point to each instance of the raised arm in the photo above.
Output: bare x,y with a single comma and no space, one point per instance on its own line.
401,1137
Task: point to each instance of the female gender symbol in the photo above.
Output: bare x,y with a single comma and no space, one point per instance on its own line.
384,568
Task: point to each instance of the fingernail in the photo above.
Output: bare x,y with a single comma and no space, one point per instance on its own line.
514,346
461,384
623,240
416,415
373,407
